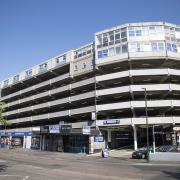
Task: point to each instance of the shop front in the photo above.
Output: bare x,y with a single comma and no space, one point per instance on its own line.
64,138
15,139
116,135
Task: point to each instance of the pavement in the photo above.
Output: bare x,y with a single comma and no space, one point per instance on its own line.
21,164
116,153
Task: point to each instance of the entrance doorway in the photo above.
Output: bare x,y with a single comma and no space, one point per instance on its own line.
76,143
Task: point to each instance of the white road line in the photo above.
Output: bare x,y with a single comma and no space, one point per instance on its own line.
8,175
25,178
149,164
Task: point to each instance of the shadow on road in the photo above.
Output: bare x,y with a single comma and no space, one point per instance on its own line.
174,175
3,168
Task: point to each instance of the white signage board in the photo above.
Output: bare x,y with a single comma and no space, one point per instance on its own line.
86,130
54,129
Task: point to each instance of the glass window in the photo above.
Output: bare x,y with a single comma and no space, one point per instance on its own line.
145,31
89,49
111,36
75,55
75,68
99,39
147,47
43,67
138,47
161,46
173,38
123,34
159,29
118,50
166,27
111,52
84,65
131,33
138,33
178,29
61,59
117,36
79,53
132,47
16,78
152,30
124,48
105,40
174,48
168,47
178,40
84,52
105,53
29,73
167,38
172,29
99,54
154,46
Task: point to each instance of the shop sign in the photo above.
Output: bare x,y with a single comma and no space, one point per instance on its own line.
65,129
15,133
44,129
86,130
54,129
99,138
111,121
176,128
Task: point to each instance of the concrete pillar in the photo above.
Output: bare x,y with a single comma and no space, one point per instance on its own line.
109,138
24,142
154,141
135,137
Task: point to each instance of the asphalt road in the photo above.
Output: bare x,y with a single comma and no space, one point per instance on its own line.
19,164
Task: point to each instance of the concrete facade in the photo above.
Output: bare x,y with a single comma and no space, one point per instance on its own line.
105,78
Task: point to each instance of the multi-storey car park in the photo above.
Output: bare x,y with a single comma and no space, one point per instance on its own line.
85,99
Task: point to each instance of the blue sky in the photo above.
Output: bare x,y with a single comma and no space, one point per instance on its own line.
32,31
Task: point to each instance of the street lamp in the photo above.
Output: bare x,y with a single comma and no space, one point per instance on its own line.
147,124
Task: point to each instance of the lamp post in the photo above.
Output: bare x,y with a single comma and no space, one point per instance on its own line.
147,124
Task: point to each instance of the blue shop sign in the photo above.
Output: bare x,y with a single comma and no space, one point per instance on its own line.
111,121
15,133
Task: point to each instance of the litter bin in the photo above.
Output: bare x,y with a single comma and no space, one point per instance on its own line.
105,153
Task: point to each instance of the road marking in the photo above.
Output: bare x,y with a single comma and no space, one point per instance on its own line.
8,175
149,164
25,178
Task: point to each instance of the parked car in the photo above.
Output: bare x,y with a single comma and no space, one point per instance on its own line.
140,154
